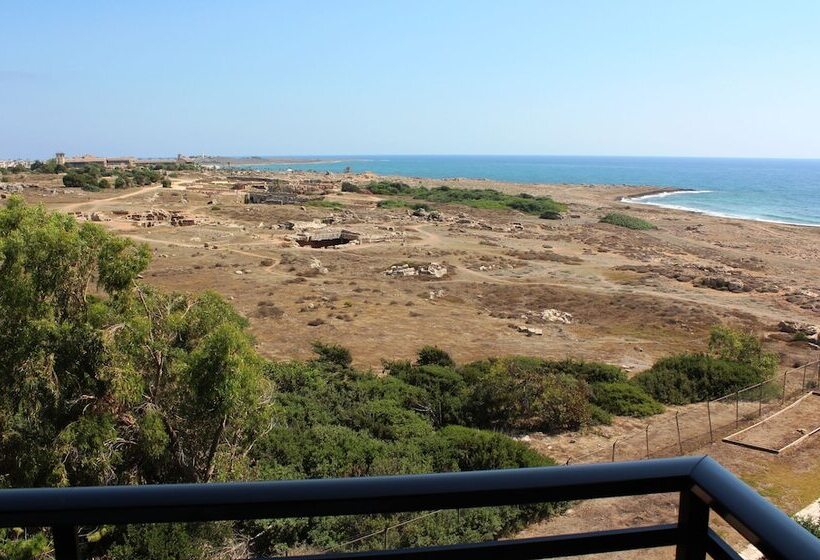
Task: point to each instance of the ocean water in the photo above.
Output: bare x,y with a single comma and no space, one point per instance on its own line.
776,190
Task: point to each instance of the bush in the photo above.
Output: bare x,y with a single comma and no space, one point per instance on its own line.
87,180
688,378
477,198
624,399
627,221
332,354
166,183
525,394
433,355
392,203
350,187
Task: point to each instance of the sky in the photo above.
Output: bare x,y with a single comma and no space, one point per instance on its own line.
313,77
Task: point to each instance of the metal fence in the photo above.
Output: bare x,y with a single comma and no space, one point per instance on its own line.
707,422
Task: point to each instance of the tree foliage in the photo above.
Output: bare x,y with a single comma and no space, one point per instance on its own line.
106,380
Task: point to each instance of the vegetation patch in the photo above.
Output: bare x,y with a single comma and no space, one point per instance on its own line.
735,360
476,198
107,381
627,221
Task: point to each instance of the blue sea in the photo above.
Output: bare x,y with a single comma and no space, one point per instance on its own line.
775,190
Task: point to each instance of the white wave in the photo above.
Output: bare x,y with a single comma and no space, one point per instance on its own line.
662,195
720,214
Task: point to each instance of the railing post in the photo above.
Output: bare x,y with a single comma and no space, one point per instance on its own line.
65,542
693,527
614,443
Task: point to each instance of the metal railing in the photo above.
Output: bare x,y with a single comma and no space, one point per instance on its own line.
703,485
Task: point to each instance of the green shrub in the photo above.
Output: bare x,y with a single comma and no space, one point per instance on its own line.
477,198
392,203
627,221
332,354
350,187
523,394
688,378
742,347
389,188
624,399
433,355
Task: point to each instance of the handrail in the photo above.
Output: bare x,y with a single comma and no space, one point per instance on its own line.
702,483
303,498
770,530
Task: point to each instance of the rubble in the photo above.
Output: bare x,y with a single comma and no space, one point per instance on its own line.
556,316
529,331
435,270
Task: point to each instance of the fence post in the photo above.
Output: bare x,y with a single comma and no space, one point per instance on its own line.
803,385
784,386
614,443
709,415
647,441
677,423
760,402
737,409
385,537
817,384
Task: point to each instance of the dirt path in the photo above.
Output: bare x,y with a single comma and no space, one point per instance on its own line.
97,202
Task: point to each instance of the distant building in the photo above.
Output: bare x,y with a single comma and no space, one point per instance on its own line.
88,159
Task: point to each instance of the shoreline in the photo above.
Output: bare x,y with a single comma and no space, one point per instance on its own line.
639,199
648,192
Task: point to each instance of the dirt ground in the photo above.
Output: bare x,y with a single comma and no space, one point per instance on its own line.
785,427
633,296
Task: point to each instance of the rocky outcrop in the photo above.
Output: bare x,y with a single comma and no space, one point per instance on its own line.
529,331
556,316
434,270
799,327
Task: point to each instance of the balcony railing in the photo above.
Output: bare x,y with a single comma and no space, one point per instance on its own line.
704,486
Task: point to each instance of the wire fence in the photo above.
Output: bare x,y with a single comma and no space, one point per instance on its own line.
709,421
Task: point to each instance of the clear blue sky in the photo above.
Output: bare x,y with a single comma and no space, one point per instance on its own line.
704,78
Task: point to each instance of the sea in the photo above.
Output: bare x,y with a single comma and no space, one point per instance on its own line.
773,190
